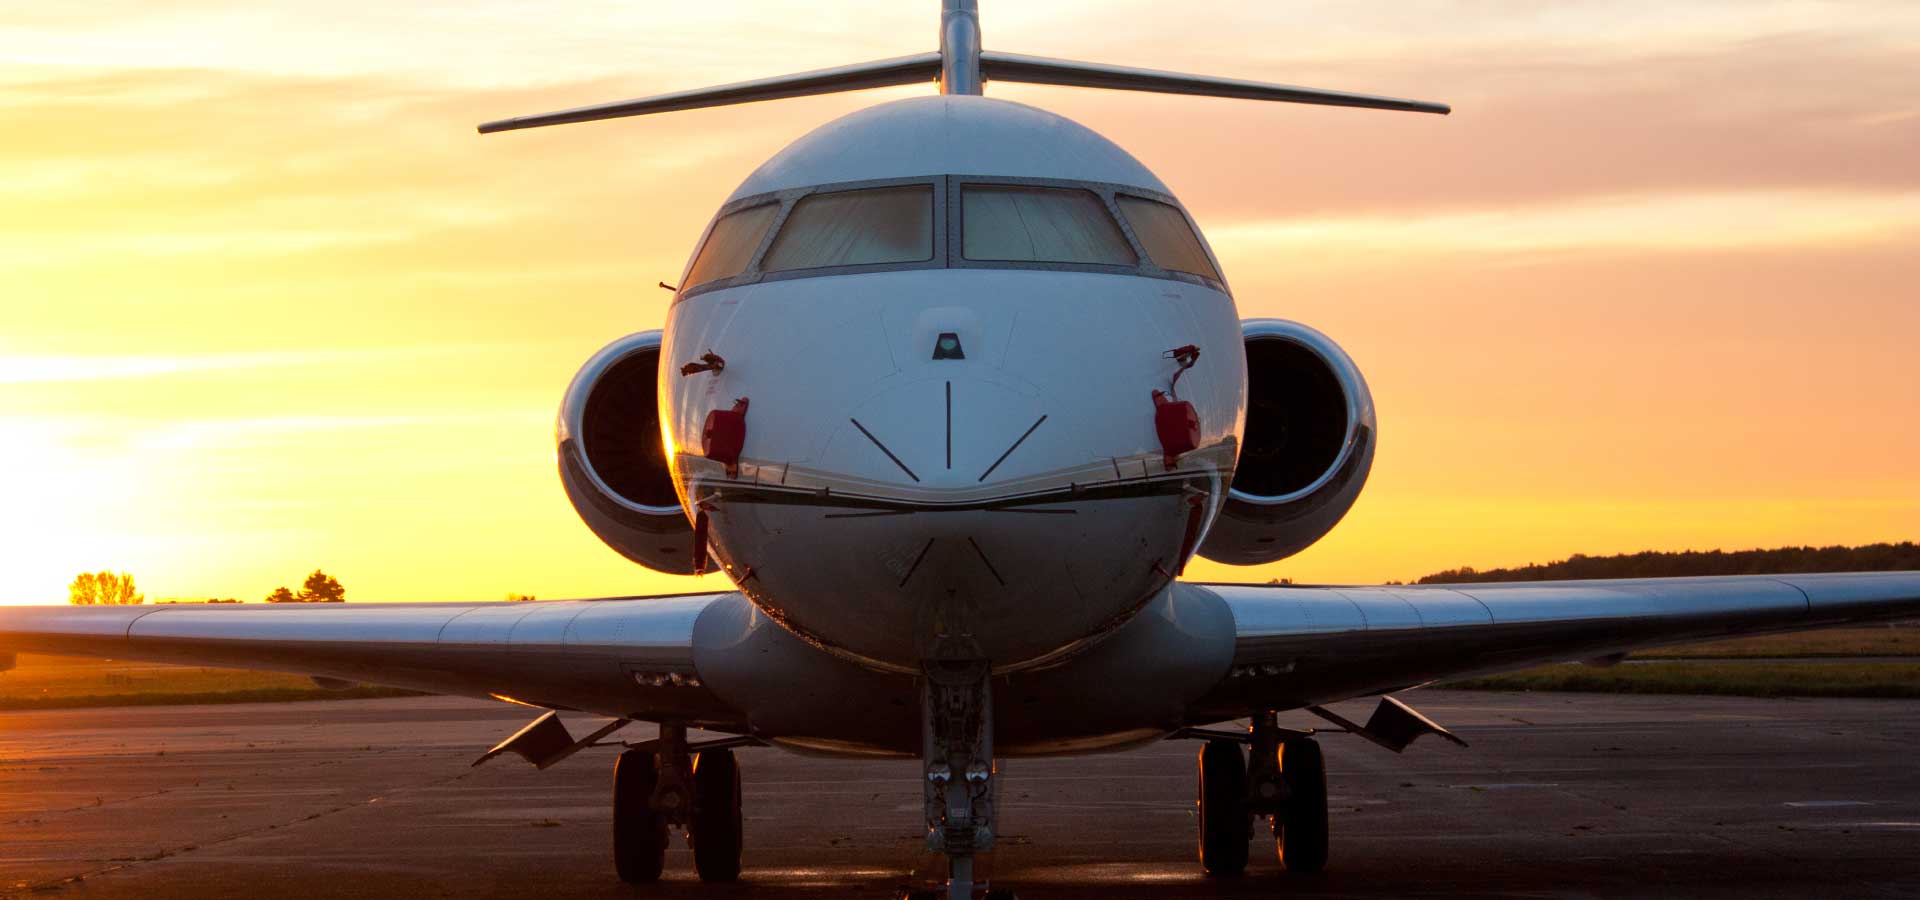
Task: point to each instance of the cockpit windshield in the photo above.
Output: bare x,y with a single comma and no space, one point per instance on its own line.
949,222
1164,233
856,228
1010,223
731,244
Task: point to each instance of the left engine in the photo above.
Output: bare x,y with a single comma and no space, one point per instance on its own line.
1305,450
612,461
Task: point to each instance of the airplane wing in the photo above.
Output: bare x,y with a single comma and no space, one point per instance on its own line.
1302,646
627,657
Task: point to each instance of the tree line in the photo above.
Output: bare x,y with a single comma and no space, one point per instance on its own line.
1656,564
117,589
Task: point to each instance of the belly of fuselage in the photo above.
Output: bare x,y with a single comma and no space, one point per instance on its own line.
953,464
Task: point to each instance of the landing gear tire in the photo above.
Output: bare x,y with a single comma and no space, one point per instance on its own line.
1300,829
639,833
716,828
1225,826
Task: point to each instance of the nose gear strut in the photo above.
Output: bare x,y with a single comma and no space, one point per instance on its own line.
957,750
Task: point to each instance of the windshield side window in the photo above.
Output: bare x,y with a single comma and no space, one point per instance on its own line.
1012,223
730,245
1168,239
855,228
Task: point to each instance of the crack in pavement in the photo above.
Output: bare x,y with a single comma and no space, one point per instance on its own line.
122,865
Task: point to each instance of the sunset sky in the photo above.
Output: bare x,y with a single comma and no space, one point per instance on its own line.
268,303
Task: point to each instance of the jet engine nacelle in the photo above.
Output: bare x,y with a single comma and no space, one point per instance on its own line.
1305,450
611,459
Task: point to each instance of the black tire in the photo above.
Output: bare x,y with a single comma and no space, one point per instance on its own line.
1225,826
639,833
716,832
1301,829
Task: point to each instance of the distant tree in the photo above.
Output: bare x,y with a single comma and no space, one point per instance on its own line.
281,595
322,588
1653,564
520,598
103,589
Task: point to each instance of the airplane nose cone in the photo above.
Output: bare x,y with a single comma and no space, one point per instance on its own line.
966,431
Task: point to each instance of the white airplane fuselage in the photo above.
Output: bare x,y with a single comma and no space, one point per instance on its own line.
1010,504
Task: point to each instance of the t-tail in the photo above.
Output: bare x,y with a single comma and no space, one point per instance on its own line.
961,66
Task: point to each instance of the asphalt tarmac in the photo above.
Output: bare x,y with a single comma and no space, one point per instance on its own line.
1560,795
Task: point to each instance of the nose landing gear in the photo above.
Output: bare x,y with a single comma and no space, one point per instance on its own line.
956,747
667,782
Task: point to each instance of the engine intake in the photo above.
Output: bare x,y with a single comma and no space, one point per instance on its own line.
611,459
1305,450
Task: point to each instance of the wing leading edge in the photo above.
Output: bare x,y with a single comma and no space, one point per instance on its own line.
1300,646
616,657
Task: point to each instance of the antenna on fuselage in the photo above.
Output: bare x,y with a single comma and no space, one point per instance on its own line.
960,66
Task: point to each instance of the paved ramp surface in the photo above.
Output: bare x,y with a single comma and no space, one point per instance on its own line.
1560,796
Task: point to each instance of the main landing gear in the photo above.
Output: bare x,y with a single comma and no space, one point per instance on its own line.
665,782
1282,778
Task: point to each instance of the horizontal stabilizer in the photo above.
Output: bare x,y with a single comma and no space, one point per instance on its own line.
860,76
996,66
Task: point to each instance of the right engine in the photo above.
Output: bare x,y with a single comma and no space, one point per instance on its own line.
612,461
1306,448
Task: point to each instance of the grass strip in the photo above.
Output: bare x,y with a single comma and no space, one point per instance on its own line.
1897,680
1825,643
164,698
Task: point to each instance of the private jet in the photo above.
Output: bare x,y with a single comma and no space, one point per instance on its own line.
951,390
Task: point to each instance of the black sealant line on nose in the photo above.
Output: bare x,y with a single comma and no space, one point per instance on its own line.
916,563
1003,457
949,424
986,562
883,449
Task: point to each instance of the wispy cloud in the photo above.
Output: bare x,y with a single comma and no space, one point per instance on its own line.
267,431
42,368
1658,223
